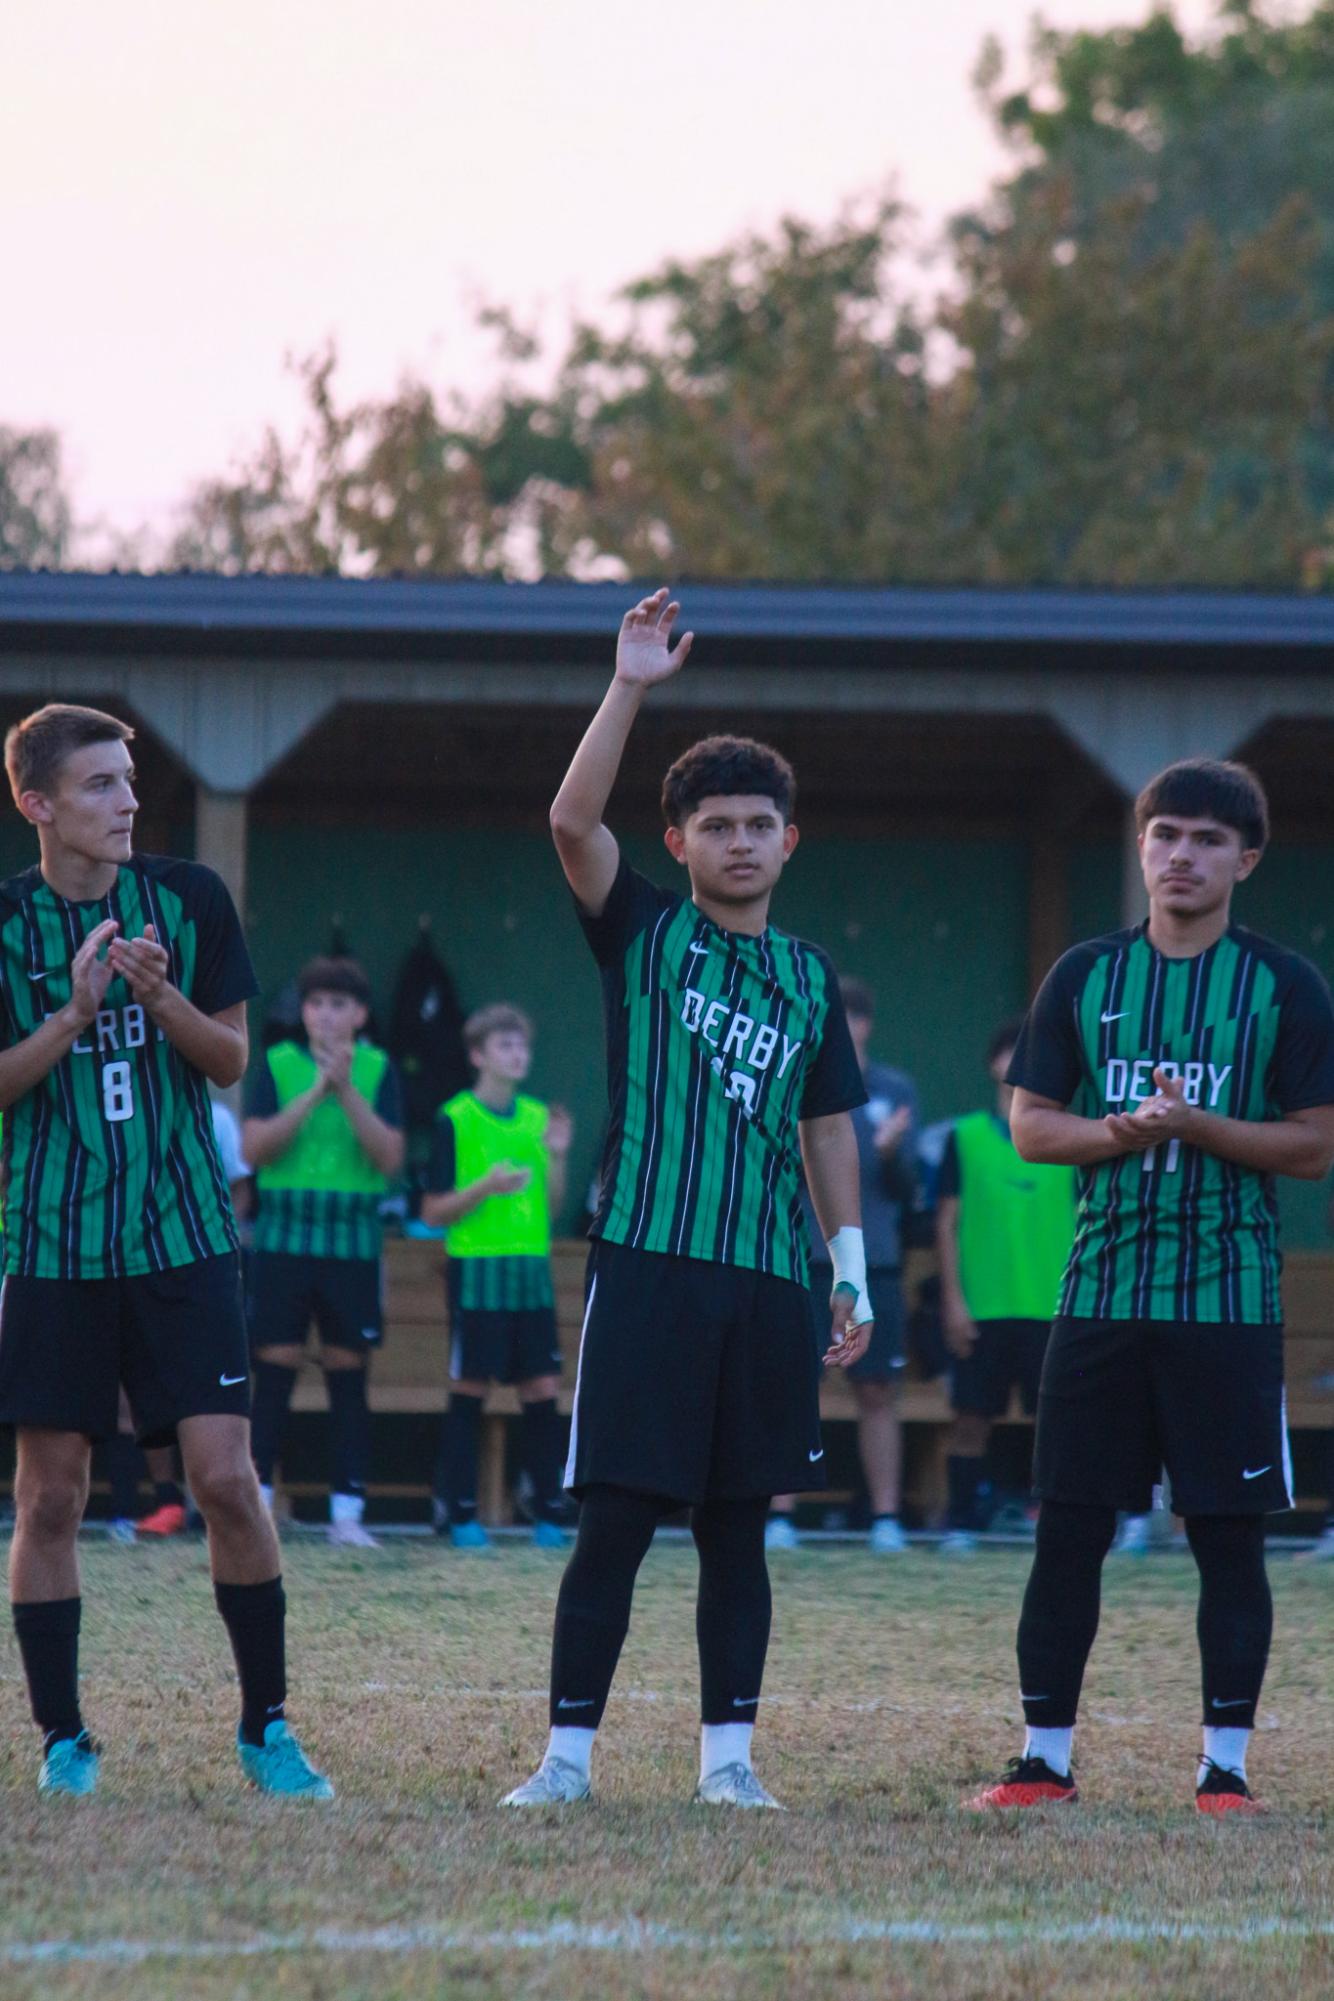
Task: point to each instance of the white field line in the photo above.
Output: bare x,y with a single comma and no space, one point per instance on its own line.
633,1936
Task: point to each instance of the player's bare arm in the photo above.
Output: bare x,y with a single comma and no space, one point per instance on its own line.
1043,1130
1300,1145
960,1327
217,1044
833,1175
24,1066
384,1143
557,1140
644,656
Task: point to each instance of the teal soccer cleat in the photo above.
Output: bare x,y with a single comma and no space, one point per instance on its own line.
549,1535
469,1535
70,1766
281,1766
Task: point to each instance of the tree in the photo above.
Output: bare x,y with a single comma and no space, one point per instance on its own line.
35,518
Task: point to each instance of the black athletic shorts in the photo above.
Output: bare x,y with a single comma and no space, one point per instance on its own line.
699,1381
489,1345
885,1358
175,1339
1122,1399
342,1296
1006,1352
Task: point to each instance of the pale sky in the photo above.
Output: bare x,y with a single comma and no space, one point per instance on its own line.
196,188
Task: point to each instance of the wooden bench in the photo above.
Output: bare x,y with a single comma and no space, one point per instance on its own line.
409,1374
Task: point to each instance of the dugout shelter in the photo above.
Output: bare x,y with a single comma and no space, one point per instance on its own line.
361,754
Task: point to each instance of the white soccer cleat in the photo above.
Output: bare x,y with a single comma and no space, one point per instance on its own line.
556,1782
735,1785
351,1535
780,1534
887,1537
1134,1537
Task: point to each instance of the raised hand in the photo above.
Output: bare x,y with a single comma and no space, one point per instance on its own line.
90,976
142,964
643,647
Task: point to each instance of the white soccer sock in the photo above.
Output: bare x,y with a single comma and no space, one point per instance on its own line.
724,1744
1052,1746
1226,1748
346,1507
574,1746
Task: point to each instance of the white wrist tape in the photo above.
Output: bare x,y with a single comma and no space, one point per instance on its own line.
847,1254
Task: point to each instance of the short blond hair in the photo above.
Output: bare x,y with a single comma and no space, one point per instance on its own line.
500,1018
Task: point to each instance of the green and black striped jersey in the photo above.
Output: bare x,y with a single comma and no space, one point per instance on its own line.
1177,1233
111,1166
718,1044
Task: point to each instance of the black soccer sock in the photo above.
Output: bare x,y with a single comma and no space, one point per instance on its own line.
964,1475
48,1637
1059,1621
168,1494
593,1608
255,1617
273,1394
350,1425
458,1457
123,1463
733,1609
539,1450
1236,1616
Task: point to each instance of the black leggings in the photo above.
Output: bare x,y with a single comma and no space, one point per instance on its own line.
616,1527
1060,1617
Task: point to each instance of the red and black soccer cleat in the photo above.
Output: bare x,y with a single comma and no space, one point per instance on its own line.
1027,1782
1221,1791
166,1520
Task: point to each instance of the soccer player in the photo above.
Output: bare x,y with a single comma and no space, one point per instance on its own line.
1003,1234
323,1129
1180,1066
729,1063
124,979
497,1171
886,1129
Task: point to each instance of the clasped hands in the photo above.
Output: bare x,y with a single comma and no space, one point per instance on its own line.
1165,1116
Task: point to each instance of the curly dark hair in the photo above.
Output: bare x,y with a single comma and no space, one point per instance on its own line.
723,766
1206,788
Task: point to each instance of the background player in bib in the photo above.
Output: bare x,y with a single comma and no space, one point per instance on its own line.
324,1132
729,1064
1179,1066
1003,1233
124,979
496,1174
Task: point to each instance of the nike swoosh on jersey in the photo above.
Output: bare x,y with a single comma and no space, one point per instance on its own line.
1247,1474
813,1456
230,1382
1115,1017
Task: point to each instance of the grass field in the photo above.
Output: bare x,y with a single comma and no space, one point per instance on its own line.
417,1681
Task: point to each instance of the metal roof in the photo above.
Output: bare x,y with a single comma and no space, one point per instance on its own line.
209,611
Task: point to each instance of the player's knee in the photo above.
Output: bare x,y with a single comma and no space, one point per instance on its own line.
1226,1542
872,1397
227,1492
49,1506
